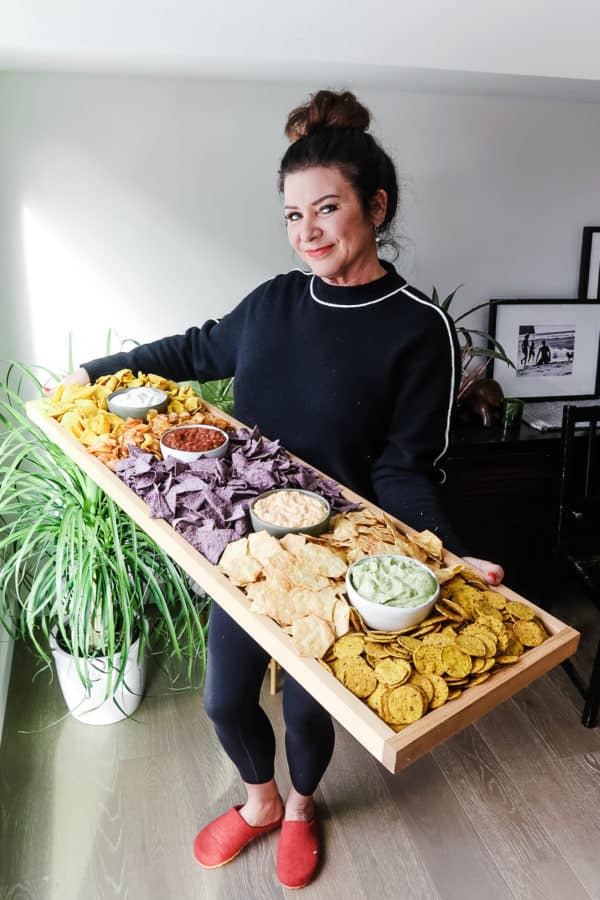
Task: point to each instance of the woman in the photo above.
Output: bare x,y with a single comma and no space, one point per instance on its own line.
356,372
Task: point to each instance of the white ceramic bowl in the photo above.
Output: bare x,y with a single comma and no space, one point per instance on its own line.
191,455
279,531
135,410
389,618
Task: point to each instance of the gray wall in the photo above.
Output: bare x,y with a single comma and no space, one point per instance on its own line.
148,204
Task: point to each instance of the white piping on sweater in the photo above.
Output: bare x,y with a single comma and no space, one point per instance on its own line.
451,397
405,290
349,305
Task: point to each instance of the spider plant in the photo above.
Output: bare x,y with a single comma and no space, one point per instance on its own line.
72,561
474,359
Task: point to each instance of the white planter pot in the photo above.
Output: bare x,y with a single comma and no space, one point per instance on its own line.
90,705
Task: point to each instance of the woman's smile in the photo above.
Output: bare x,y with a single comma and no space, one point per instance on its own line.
320,251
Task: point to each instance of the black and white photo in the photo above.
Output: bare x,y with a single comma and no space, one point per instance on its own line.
553,345
544,350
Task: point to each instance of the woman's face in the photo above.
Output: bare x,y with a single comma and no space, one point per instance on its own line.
328,228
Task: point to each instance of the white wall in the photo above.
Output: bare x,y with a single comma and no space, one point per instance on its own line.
148,204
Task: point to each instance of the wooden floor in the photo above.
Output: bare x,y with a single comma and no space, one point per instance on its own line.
510,808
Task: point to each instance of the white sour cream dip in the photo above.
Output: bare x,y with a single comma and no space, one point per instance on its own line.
138,396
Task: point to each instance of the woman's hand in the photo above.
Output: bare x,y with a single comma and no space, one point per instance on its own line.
492,573
79,376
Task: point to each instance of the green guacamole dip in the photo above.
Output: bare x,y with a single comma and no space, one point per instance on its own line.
393,581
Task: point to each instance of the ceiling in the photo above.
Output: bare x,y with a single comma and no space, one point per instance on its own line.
541,48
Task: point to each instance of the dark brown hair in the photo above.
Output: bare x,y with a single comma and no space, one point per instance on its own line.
331,130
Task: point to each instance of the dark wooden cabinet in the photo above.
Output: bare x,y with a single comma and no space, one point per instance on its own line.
502,495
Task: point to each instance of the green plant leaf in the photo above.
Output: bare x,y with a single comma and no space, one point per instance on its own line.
72,560
450,297
218,393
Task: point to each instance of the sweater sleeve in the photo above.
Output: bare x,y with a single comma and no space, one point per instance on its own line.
406,476
203,354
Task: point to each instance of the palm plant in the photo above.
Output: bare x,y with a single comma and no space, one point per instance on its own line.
71,561
470,351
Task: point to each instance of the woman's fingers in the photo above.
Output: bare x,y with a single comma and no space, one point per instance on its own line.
492,573
79,376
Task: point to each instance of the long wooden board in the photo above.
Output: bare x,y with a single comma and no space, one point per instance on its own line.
395,751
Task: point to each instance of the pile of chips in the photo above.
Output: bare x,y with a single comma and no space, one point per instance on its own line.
401,675
83,410
296,581
299,580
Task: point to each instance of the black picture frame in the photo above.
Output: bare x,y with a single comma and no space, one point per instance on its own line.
589,268
570,329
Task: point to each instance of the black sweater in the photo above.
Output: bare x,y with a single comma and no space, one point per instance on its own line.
357,381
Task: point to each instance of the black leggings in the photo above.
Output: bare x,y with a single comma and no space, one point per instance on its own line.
235,670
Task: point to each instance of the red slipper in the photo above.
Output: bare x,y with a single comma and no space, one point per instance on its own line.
298,853
223,838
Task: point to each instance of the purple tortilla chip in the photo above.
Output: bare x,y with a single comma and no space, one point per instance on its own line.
159,508
210,497
210,543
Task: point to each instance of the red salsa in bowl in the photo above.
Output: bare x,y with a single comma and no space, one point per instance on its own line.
187,438
189,442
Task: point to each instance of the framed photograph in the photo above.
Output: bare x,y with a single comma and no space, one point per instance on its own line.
589,270
554,345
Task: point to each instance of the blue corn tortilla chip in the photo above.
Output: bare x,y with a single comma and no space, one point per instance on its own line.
210,543
207,501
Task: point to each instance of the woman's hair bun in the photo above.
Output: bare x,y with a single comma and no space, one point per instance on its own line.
327,109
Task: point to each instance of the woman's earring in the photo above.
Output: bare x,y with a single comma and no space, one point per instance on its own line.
378,235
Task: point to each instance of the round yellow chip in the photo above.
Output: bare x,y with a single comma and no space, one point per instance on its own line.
519,610
502,642
529,633
405,704
488,664
393,671
440,691
450,609
425,682
427,660
494,598
349,645
438,639
514,647
411,643
455,662
482,608
492,623
485,635
479,679
359,677
377,649
454,693
374,699
471,644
